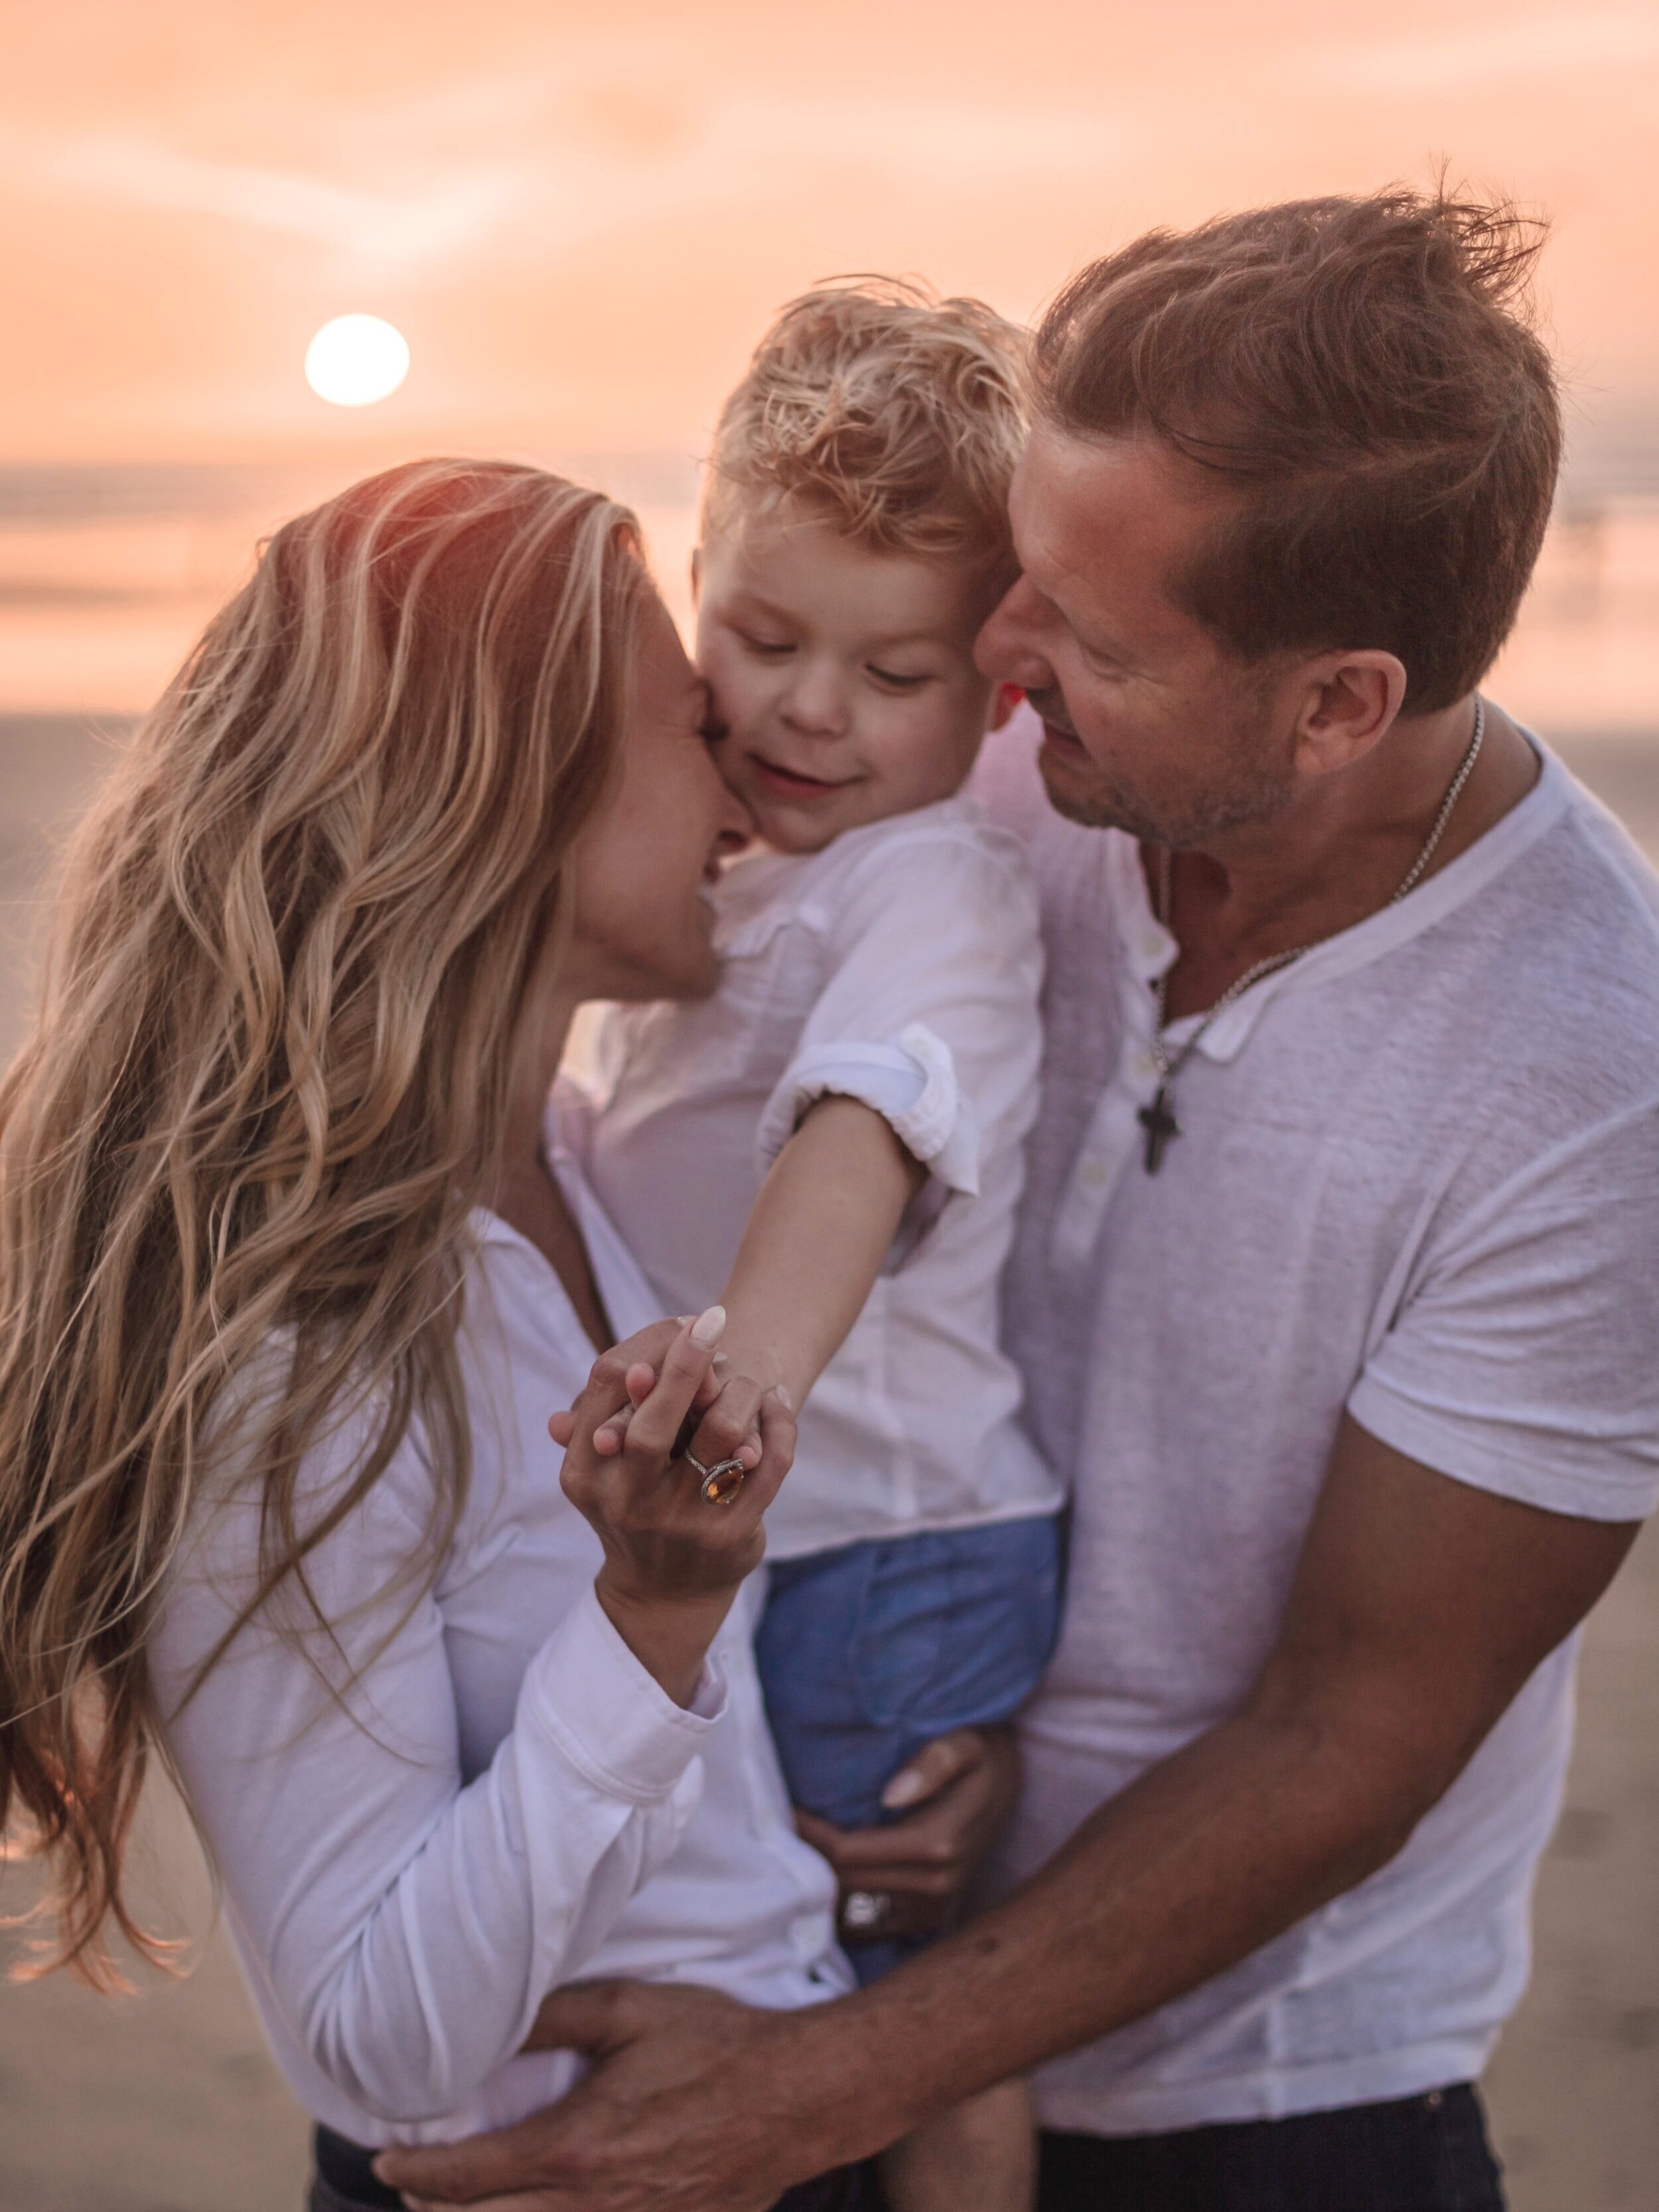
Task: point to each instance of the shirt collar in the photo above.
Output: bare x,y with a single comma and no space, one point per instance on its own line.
1149,949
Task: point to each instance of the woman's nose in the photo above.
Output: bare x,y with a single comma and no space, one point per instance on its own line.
1009,647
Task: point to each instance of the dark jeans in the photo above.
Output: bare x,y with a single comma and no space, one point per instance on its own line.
1418,2154
344,2182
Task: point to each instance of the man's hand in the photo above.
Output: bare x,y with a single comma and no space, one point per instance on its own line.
1420,1607
676,2117
964,1787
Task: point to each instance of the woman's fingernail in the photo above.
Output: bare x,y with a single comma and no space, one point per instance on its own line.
903,1790
783,1398
706,1329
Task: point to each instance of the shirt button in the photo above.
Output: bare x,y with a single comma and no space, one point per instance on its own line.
1093,1177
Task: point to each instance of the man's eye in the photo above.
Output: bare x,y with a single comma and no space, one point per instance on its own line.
894,682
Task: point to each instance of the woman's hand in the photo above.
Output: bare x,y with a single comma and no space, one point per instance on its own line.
672,1560
725,1413
922,1868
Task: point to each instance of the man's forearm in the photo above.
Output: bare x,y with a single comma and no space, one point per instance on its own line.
1203,1860
1420,1606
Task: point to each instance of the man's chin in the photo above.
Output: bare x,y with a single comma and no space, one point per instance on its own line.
1060,760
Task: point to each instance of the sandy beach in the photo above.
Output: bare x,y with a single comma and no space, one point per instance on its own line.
164,2100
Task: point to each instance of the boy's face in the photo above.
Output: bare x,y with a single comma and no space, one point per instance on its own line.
844,678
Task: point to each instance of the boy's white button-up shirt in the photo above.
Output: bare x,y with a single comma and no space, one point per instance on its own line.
901,966
500,1798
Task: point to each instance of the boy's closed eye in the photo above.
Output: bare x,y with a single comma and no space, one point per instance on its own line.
896,682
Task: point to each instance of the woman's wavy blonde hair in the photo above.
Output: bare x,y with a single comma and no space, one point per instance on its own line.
269,1074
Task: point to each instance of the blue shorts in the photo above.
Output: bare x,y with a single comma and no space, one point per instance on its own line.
867,1653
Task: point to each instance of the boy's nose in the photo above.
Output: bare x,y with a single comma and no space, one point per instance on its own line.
1009,646
816,702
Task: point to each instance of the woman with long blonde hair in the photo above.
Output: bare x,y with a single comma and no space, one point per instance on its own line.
293,1269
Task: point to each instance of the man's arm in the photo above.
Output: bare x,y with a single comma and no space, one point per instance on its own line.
1419,1608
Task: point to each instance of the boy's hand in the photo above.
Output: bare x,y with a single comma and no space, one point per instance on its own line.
730,1402
729,1426
624,1378
964,1787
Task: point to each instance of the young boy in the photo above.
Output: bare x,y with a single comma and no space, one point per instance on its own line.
833,1143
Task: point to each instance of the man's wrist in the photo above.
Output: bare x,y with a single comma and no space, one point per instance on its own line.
833,2073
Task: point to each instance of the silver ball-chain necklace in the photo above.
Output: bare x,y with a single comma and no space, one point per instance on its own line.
1158,1118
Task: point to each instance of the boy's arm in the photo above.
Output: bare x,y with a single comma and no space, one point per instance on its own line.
825,1218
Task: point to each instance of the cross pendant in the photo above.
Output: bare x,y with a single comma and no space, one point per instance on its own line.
1160,1124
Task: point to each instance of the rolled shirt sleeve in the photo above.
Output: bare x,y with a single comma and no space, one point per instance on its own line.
928,1011
407,1922
1521,1359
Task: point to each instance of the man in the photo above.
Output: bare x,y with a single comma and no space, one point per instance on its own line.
1338,1292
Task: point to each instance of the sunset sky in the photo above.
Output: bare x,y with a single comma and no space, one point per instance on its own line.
579,215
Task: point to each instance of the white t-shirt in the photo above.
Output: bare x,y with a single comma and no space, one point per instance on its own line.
506,1799
901,966
1419,1178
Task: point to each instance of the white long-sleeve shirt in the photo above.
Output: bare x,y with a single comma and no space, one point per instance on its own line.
900,966
504,1798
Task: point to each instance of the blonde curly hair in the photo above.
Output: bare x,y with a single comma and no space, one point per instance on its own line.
269,1079
894,414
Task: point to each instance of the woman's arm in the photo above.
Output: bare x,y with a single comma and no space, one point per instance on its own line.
407,1925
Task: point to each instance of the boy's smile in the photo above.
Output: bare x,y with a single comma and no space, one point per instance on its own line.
788,783
844,678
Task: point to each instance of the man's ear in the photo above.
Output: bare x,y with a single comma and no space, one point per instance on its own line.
1349,702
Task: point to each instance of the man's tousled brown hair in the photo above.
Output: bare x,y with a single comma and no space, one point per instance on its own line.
1369,374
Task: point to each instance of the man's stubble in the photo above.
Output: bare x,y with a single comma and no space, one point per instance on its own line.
1244,787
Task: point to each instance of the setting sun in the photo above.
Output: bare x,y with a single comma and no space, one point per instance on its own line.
355,360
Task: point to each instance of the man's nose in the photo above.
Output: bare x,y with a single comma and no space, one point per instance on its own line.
1008,647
